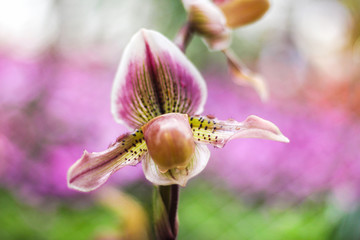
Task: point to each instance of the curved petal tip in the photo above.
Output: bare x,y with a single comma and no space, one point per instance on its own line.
256,127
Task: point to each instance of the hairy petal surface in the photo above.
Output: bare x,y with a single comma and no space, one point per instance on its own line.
134,99
180,86
154,77
93,169
218,133
177,176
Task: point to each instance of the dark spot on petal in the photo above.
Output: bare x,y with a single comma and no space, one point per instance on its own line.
171,175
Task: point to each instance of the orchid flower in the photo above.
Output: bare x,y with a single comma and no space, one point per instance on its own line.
158,93
214,22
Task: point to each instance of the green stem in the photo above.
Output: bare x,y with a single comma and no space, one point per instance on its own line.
172,205
166,200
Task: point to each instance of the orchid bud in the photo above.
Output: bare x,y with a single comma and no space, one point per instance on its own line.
170,141
207,20
242,12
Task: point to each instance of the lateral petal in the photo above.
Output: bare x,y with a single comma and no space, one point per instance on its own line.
177,176
216,132
154,77
93,169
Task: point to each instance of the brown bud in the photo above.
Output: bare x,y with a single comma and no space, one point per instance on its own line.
242,12
170,141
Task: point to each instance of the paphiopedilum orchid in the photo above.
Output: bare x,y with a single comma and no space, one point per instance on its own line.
157,92
214,22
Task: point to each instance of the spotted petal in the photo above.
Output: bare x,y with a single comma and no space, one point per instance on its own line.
177,176
93,169
154,77
218,133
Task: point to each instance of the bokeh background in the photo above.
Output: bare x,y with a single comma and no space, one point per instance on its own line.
58,59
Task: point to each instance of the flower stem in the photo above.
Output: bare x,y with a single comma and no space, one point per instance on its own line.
166,200
173,207
183,37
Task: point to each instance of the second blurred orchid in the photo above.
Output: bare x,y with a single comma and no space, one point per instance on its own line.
157,91
214,21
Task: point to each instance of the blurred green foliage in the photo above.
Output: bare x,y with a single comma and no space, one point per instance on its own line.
348,227
205,212
208,213
19,221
